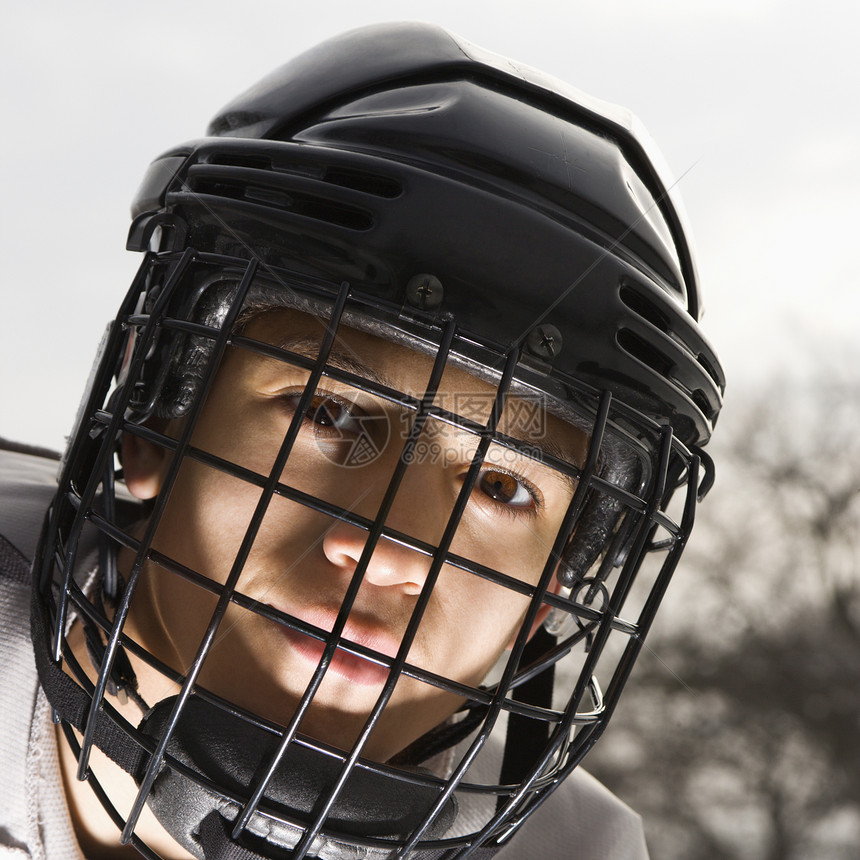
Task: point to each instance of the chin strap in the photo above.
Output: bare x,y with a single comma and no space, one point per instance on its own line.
223,748
216,843
214,839
527,737
69,701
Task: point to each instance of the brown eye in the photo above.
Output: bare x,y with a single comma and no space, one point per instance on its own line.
331,415
504,488
326,412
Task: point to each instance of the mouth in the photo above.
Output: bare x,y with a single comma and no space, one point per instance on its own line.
356,668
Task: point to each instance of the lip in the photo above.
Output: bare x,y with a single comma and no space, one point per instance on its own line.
352,667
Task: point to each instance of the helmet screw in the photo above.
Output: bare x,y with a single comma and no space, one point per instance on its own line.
544,341
424,291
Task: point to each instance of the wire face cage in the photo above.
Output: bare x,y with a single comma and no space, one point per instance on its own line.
363,585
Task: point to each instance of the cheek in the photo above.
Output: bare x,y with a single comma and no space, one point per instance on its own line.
205,519
516,547
480,619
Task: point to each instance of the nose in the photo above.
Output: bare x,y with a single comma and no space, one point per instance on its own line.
391,565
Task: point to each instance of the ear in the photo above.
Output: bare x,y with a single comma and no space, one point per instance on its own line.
143,464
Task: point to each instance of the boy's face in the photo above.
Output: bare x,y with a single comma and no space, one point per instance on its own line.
302,560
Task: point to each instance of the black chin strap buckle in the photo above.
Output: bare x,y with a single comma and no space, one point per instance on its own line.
214,836
122,681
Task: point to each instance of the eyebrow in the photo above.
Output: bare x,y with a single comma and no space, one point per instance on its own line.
309,347
545,443
555,450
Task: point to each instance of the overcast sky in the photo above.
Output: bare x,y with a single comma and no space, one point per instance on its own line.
755,105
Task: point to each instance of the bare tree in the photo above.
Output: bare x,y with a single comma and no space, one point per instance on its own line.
739,734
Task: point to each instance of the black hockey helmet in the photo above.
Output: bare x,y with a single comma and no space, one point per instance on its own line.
405,184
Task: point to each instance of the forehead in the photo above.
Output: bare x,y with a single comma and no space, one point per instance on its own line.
395,366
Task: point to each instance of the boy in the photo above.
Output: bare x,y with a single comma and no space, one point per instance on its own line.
399,401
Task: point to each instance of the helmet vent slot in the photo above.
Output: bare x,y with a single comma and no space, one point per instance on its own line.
644,308
645,352
706,365
235,159
367,183
297,203
701,400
